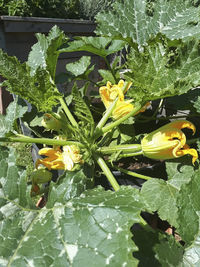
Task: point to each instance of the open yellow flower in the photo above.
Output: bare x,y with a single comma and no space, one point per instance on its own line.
110,92
169,142
56,159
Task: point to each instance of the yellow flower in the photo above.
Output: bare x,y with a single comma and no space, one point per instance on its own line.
110,92
56,159
169,142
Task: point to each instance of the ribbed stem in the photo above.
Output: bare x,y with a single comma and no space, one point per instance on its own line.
47,141
107,173
68,113
128,148
134,174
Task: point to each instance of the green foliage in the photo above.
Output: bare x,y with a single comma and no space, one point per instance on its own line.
64,225
161,196
101,46
138,21
44,53
80,69
34,80
13,112
80,223
163,69
156,248
40,8
82,111
89,8
66,9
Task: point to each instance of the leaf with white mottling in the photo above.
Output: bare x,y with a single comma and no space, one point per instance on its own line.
138,21
76,231
163,69
13,112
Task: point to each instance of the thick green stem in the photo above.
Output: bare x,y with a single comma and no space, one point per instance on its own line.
134,174
68,113
107,173
128,148
106,116
128,155
47,141
110,126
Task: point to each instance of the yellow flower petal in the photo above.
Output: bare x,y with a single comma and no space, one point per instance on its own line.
168,142
60,160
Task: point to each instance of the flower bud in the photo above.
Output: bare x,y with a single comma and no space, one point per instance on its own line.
51,123
41,176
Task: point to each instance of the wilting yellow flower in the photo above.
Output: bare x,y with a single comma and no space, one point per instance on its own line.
110,92
169,142
56,159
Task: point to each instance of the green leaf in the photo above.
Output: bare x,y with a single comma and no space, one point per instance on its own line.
38,90
70,185
101,46
44,53
169,252
159,195
138,21
180,171
107,76
80,67
191,256
163,69
156,248
82,111
188,212
13,112
87,231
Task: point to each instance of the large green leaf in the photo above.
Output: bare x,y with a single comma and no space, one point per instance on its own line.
163,69
86,230
44,53
13,112
70,185
180,171
188,203
138,21
80,69
39,89
159,195
101,46
156,248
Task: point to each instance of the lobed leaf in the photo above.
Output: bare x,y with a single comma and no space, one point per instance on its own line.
188,211
82,111
163,69
101,46
156,248
44,53
138,21
80,68
38,90
159,195
14,111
